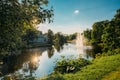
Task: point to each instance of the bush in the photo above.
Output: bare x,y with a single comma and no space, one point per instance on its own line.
109,53
67,65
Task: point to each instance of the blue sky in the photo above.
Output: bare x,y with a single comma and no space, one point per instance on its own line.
76,15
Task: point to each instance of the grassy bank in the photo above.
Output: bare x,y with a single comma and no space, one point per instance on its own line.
114,75
104,68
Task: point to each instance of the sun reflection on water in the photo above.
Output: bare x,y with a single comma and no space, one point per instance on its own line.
35,59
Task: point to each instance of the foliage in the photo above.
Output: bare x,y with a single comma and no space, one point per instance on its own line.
59,38
111,36
109,53
50,36
87,34
97,31
70,65
30,35
16,16
106,33
100,68
71,36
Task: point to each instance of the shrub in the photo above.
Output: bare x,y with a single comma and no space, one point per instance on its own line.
67,65
109,53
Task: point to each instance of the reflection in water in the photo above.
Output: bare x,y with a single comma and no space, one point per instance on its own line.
28,60
38,62
58,47
50,51
33,63
85,52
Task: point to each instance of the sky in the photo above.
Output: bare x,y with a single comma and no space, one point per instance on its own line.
72,16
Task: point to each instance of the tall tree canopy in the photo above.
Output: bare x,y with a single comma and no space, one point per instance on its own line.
97,31
111,33
106,33
16,16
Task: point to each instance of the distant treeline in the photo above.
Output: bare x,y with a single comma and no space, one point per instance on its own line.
59,38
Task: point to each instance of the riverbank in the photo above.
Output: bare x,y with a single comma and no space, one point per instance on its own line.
100,69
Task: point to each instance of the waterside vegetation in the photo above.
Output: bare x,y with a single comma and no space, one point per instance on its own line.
105,37
101,68
18,20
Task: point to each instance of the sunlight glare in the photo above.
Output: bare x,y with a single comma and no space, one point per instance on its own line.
35,59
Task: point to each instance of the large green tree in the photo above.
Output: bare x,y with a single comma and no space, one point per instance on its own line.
16,16
106,34
97,31
111,35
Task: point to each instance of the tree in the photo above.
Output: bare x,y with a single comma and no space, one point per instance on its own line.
97,31
106,34
117,16
72,36
30,35
111,35
50,36
87,34
16,16
59,39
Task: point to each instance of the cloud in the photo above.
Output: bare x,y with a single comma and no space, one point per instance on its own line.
76,12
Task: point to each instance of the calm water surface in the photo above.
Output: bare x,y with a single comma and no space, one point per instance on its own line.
40,62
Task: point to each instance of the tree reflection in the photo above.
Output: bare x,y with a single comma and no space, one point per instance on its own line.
50,52
58,47
89,53
28,61
96,49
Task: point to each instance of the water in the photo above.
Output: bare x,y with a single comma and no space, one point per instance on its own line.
40,62
48,57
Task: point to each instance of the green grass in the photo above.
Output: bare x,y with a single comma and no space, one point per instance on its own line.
114,75
101,68
97,70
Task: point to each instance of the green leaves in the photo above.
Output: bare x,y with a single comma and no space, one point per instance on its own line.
16,17
68,65
110,37
106,33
